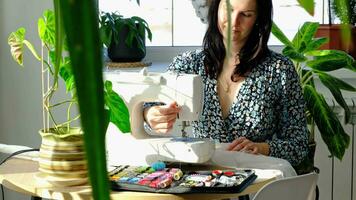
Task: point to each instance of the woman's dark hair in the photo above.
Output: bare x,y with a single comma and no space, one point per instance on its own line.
254,50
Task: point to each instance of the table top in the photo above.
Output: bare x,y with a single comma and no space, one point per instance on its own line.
19,175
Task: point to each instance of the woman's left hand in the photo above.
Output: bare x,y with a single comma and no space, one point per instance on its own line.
246,145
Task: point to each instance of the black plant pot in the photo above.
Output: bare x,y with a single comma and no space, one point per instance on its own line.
122,53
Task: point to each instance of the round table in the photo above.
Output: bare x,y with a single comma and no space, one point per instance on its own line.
19,175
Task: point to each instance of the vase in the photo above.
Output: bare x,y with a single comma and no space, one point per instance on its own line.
62,158
121,52
333,32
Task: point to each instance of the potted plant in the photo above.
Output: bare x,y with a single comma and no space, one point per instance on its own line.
310,64
342,36
124,37
62,145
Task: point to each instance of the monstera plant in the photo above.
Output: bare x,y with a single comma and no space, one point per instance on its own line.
60,65
311,63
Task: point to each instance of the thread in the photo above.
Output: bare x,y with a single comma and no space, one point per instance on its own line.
159,165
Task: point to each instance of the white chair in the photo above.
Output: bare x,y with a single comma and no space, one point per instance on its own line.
292,188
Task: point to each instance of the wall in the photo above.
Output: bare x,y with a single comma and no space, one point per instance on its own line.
20,101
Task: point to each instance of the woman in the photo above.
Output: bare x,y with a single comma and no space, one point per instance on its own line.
252,96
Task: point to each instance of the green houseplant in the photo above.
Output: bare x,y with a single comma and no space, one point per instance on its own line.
344,34
345,12
60,66
124,37
310,64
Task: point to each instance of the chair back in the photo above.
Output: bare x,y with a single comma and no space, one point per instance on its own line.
292,188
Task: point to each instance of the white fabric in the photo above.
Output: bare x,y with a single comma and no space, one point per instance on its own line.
122,149
225,158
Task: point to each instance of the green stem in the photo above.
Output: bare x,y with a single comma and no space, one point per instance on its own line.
52,118
47,63
50,92
298,68
48,66
69,121
307,80
47,47
61,103
68,114
306,77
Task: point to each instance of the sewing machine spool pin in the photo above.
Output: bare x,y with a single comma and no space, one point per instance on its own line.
183,131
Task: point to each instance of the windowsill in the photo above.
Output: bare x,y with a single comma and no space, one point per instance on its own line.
162,56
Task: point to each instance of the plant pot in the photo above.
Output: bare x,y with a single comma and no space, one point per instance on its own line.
62,158
121,52
333,32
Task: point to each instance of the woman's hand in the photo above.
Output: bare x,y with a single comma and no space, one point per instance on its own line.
246,145
161,118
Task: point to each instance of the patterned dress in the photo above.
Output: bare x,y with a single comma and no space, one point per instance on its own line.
268,108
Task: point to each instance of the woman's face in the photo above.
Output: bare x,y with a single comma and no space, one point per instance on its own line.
243,18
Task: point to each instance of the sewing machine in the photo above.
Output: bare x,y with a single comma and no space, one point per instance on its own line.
138,87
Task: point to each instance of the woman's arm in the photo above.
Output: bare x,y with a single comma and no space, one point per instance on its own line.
291,142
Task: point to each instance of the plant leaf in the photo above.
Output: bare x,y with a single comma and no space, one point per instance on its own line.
80,19
337,82
65,71
119,113
17,41
329,125
308,5
46,27
293,54
277,32
335,85
305,35
315,44
330,60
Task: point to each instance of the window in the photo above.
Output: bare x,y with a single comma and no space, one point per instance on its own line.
174,22
289,16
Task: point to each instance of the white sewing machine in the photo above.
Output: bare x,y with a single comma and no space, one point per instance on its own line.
140,147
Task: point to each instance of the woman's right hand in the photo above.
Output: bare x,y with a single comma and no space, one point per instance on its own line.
161,118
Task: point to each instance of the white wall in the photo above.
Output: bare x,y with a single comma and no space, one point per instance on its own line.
20,101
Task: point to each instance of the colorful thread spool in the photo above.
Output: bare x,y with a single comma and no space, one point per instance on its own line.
159,165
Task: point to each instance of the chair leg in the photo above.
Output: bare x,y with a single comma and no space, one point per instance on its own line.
316,192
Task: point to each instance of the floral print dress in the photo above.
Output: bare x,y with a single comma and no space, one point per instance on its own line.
268,108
